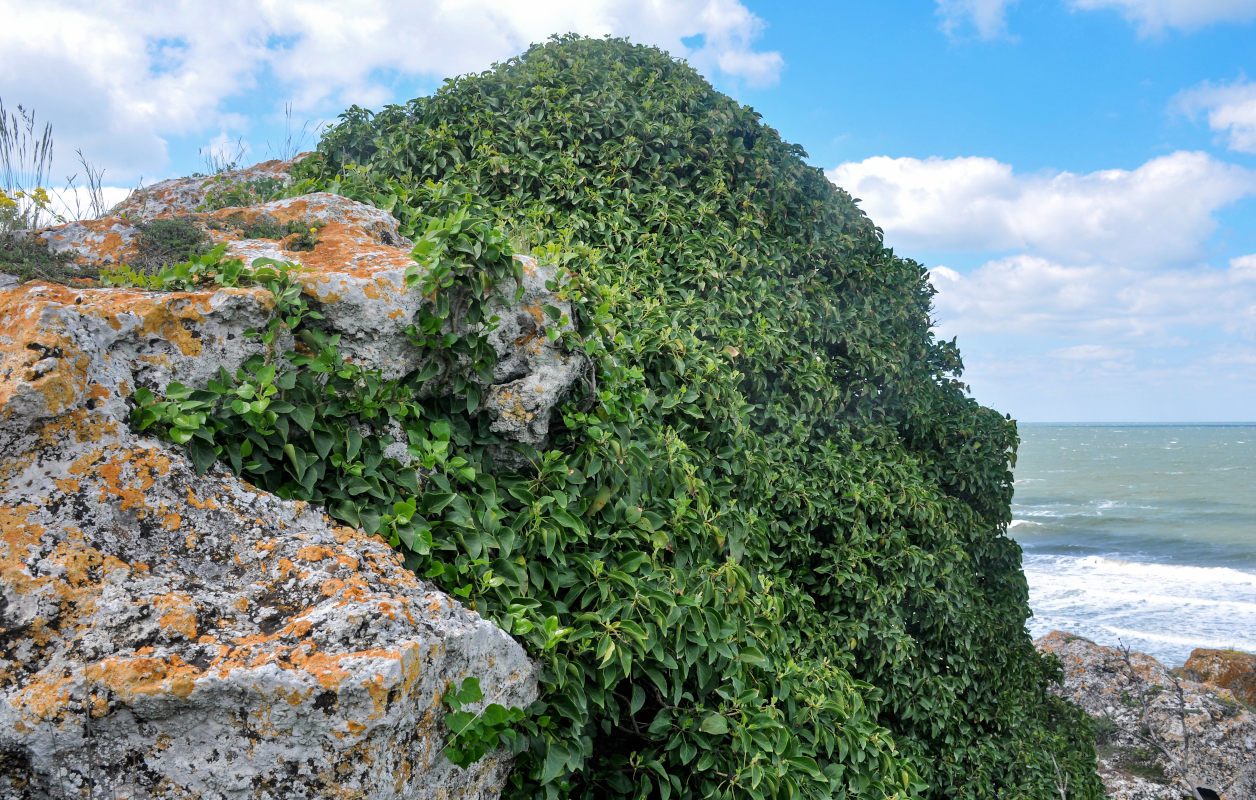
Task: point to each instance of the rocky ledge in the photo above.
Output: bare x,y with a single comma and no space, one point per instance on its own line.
169,635
1159,735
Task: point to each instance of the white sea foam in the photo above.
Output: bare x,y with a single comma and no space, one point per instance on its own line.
1163,609
1141,501
1192,641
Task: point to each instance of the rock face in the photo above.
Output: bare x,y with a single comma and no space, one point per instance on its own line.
1144,717
1227,669
168,635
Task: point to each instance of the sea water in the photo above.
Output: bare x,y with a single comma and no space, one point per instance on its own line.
1140,535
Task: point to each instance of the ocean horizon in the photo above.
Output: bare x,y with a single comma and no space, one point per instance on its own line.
1142,534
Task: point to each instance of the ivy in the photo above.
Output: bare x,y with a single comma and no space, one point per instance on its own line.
765,553
472,734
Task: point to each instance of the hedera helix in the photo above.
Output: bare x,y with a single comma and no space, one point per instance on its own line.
765,552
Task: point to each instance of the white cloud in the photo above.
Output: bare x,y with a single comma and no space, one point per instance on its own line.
1158,214
1230,109
76,202
1121,306
225,151
130,75
987,17
1092,352
1153,16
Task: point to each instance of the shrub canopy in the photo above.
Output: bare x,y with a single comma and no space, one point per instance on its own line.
765,554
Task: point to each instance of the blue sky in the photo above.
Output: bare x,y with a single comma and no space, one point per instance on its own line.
1078,175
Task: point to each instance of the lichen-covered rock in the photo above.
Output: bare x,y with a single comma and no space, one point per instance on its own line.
1138,710
178,196
1227,669
169,635
355,275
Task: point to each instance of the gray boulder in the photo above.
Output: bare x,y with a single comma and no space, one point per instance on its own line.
168,635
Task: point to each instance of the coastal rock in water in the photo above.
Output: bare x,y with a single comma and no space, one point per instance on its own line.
169,635
1156,733
1227,669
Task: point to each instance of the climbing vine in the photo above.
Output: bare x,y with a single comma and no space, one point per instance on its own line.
765,553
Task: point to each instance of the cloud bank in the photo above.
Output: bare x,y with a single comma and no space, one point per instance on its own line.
1158,214
988,18
1229,108
132,75
1057,278
1154,16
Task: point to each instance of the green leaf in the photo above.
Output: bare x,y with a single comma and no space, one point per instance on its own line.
303,415
714,723
203,455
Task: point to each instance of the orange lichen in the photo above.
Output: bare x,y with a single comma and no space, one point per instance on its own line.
324,667
196,502
180,613
44,696
133,677
315,553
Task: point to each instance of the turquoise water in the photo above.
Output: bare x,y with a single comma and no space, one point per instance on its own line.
1144,535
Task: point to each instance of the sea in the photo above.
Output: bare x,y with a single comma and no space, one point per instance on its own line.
1141,535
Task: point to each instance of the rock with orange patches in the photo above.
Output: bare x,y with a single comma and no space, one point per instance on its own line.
1139,698
1225,669
250,668
181,196
173,635
356,276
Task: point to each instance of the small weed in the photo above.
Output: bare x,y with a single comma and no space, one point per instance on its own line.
30,258
212,267
167,241
1105,729
1141,762
297,234
1229,708
223,192
25,161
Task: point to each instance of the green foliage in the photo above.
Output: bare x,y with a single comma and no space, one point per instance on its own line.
765,554
223,191
30,258
298,234
166,241
208,267
472,734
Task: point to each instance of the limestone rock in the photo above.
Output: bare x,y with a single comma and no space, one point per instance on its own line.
169,635
1138,710
1227,669
178,196
355,276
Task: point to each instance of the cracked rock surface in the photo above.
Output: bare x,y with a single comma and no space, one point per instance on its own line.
1138,712
169,635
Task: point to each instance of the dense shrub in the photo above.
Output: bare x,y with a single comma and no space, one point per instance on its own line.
766,553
